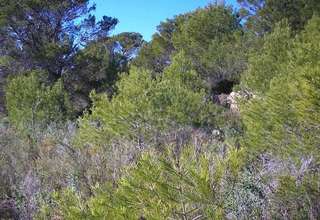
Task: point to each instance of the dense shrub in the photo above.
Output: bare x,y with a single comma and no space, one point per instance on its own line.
31,103
284,123
179,183
144,107
285,120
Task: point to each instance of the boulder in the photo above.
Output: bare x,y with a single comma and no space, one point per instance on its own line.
231,101
234,97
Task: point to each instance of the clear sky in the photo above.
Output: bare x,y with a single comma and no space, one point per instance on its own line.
143,16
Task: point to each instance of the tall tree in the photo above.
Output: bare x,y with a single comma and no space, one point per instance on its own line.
262,15
97,66
213,39
264,62
155,55
286,124
46,34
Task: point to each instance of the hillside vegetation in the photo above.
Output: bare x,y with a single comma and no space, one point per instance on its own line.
217,117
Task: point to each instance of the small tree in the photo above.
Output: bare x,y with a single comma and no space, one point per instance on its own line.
213,40
265,63
286,123
145,107
31,103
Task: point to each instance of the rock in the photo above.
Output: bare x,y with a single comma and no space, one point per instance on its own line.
231,101
221,99
79,103
234,97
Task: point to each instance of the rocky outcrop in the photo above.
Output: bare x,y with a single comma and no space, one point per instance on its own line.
221,100
79,103
231,101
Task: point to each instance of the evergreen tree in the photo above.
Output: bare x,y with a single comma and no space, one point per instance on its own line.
98,66
145,106
156,55
285,120
31,103
212,38
47,34
265,62
263,15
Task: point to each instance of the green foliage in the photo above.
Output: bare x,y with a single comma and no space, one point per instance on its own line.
160,188
176,183
145,105
204,25
292,187
265,63
285,121
213,40
31,103
153,145
263,15
47,34
67,205
155,55
98,66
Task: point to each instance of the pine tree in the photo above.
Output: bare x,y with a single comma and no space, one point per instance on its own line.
285,120
32,104
145,106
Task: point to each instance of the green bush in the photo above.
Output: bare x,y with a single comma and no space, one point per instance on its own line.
31,103
213,40
285,121
265,63
145,107
178,183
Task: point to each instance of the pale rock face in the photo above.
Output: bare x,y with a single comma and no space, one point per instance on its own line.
221,99
232,102
79,103
234,97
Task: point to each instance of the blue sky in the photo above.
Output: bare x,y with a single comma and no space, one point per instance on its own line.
143,16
